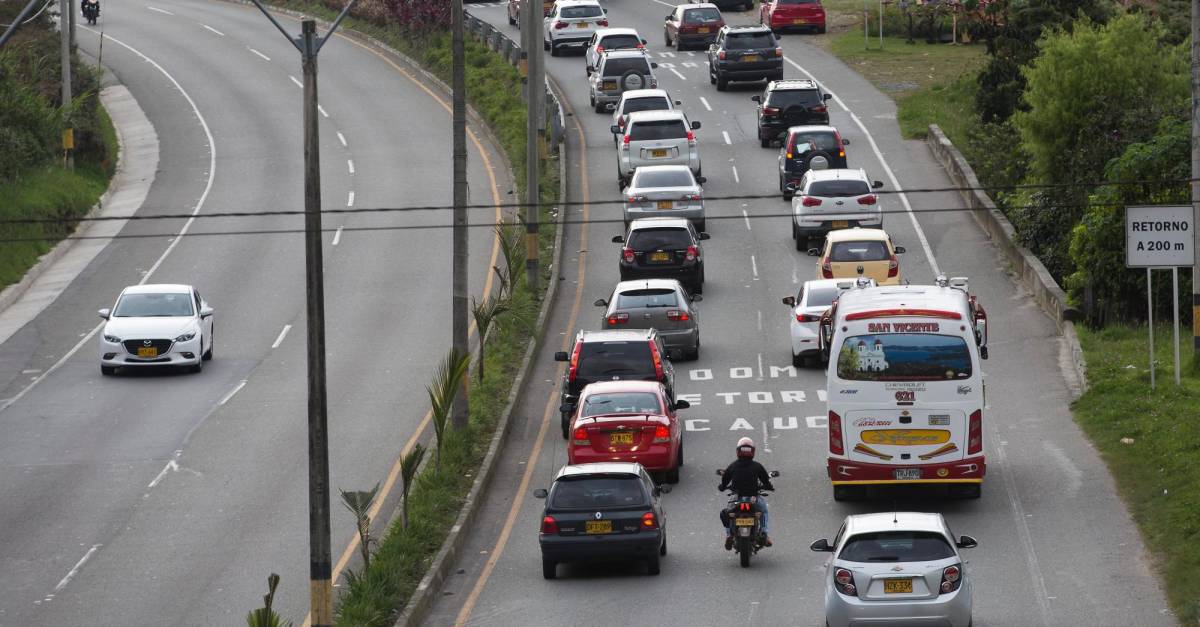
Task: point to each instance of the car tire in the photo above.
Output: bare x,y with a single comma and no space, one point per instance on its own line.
722,83
653,565
212,341
765,142
970,491
565,422
778,76
196,368
546,45
549,568
712,79
627,77
798,361
700,224
600,107
801,241
553,50
672,476
108,371
821,31
678,45
666,39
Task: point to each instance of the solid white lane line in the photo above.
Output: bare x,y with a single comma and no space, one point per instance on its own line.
160,10
282,334
754,267
322,110
241,384
725,134
760,369
75,571
681,76
350,199
342,138
296,81
665,4
213,30
736,178
337,236
746,217
886,168
350,164
704,101
265,57
171,466
760,320
1026,537
766,438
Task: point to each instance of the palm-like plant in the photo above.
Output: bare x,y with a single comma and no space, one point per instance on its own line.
359,504
441,391
511,248
265,616
408,471
487,316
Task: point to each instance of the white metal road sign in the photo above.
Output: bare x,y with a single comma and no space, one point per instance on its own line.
1159,236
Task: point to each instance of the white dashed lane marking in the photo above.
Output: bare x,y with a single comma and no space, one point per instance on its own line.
282,334
725,134
704,102
337,236
213,30
160,10
342,138
264,57
296,81
681,76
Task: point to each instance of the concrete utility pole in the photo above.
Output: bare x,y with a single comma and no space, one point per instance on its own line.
71,12
64,27
458,300
1195,176
320,560
535,89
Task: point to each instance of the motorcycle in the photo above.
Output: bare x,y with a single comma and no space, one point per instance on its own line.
745,523
91,10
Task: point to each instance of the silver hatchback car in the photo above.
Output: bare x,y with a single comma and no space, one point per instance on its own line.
665,191
661,304
899,568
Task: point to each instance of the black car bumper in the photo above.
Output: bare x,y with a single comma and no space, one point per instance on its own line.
750,72
684,274
638,545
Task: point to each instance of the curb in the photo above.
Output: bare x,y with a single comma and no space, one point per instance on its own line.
419,604
1033,275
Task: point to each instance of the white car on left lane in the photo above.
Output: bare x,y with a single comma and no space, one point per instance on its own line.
156,325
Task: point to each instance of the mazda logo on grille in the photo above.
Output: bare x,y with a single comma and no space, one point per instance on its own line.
145,342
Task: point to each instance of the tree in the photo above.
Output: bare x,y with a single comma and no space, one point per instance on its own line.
408,471
265,616
487,315
450,375
359,504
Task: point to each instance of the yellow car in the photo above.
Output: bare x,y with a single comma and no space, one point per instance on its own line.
851,252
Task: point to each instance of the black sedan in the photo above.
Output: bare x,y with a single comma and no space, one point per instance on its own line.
602,512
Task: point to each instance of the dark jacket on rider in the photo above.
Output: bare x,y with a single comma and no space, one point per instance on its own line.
745,476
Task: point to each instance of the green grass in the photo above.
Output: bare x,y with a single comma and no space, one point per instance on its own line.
1156,473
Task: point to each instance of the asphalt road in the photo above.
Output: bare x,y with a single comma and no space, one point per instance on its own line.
166,499
1057,547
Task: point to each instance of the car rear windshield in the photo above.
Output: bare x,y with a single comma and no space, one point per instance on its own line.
154,305
657,129
870,250
701,16
645,240
838,189
647,298
622,403
663,178
603,360
579,12
649,103
617,67
896,546
749,41
618,42
597,493
821,296
784,98
804,142
904,357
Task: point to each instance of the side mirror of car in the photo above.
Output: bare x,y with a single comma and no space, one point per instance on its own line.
614,129
677,103
774,473
845,142
206,311
756,98
828,96
695,298
654,66
104,313
790,301
966,542
600,302
821,546
695,124
618,239
812,252
701,179
681,405
899,250
561,356
703,236
876,184
540,493
669,16
644,42
983,352
589,69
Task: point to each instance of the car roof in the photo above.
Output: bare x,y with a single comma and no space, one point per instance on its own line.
624,53
661,168
746,28
856,234
602,387
646,93
929,297
617,30
895,521
658,223
838,174
812,128
701,5
656,115
616,335
599,468
641,284
575,3
792,83
158,288
818,283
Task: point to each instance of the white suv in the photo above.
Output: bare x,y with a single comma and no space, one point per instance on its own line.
656,138
639,100
572,23
826,200
617,72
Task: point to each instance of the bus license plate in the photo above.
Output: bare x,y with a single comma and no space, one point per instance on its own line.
744,522
907,473
620,437
897,586
602,526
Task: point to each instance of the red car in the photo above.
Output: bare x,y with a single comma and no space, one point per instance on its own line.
628,421
797,14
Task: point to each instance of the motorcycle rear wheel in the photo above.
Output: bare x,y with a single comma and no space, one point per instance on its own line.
744,548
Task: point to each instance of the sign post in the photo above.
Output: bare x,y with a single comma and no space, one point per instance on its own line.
1160,236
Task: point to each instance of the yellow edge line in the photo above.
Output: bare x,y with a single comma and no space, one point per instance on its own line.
501,542
897,481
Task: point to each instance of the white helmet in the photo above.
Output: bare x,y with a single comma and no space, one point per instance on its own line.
745,448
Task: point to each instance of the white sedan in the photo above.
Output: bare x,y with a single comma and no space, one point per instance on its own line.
156,325
813,299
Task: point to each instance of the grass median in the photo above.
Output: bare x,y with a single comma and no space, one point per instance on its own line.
1150,440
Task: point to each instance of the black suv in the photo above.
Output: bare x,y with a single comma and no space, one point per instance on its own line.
744,53
629,354
809,148
666,248
789,103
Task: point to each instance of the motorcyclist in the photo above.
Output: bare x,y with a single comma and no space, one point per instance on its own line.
746,477
90,6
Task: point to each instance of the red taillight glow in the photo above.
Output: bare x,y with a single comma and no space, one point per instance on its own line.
602,23
627,254
869,199
693,253
649,521
574,361
559,25
893,267
721,55
803,317
819,109
658,366
975,433
692,197
827,269
581,436
618,318
770,110
951,579
599,49
626,141
691,137
844,581
676,315
835,434
662,434
778,52
549,525
640,46
809,201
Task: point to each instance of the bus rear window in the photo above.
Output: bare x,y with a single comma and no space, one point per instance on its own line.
904,357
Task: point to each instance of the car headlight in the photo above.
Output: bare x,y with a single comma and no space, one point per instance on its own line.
112,338
186,336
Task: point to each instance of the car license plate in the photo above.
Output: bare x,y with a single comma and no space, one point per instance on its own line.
660,256
147,351
799,21
897,586
664,204
582,25
620,437
744,522
841,224
907,473
605,526
751,57
609,85
702,31
658,153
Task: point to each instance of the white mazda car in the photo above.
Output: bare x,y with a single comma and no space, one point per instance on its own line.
156,325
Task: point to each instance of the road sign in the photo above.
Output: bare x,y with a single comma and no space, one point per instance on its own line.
1159,236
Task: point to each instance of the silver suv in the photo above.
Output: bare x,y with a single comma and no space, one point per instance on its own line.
827,200
617,72
656,138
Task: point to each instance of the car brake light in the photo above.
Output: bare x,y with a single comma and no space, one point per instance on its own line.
951,579
693,253
649,521
549,525
778,51
626,142
770,110
662,434
721,55
819,109
627,254
618,318
844,582
599,49
803,317
559,25
640,46
809,201
837,137
581,436
658,366
835,434
869,199
692,197
602,23
893,267
691,137
827,269
975,433
676,315
574,361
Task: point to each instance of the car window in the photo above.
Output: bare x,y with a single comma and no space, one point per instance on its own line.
617,42
784,98
749,41
706,15
662,178
621,403
904,357
656,297
804,142
820,296
597,493
839,189
605,359
619,66
580,12
645,240
650,130
649,103
896,546
871,250
154,305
